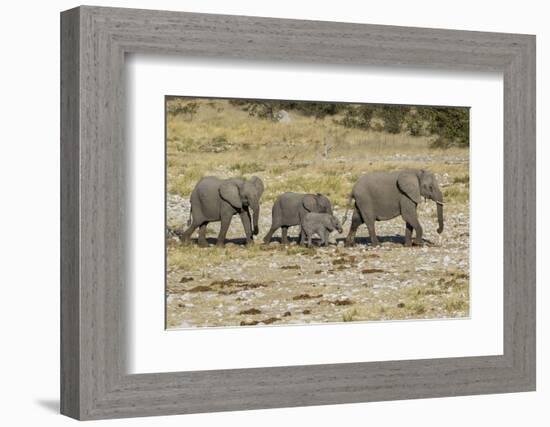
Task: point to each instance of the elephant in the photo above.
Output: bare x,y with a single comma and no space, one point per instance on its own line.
290,208
381,196
216,199
321,224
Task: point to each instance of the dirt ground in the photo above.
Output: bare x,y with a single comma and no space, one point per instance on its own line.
276,284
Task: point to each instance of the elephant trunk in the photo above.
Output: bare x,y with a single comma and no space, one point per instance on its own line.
255,218
439,200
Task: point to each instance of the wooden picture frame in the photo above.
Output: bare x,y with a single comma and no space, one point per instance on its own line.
94,382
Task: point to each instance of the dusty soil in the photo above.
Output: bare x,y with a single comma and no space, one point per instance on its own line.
276,284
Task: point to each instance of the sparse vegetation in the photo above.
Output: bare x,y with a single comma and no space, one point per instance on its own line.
181,106
317,151
247,167
465,179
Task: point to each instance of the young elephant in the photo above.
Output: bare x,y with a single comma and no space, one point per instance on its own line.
381,196
215,199
321,224
290,208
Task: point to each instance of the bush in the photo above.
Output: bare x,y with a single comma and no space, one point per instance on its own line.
393,116
450,125
269,109
414,123
357,116
318,110
181,106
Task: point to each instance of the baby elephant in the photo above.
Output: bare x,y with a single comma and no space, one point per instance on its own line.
321,224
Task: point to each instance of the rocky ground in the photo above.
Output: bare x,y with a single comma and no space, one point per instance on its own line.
276,284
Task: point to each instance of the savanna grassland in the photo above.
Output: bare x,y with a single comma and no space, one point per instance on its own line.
276,284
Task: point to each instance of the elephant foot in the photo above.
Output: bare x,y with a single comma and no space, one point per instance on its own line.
418,242
408,243
203,244
220,244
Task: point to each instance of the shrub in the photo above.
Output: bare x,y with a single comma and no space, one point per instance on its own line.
181,106
269,109
414,123
357,116
450,125
393,116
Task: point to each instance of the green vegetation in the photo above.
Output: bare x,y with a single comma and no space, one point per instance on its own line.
464,179
451,125
180,106
247,167
448,126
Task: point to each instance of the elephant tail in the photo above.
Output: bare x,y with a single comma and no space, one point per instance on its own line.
345,217
190,219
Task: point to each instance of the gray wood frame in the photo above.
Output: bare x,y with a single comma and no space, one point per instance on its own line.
94,383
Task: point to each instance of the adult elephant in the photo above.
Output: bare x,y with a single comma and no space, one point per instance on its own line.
290,208
380,196
215,199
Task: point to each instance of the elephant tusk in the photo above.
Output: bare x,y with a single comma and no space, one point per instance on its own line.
440,203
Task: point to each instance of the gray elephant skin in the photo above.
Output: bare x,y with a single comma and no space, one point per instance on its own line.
290,208
321,224
381,196
215,199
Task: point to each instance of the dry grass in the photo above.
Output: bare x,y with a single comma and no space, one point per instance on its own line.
291,156
224,141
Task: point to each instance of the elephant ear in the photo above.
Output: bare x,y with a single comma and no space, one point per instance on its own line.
229,191
323,204
309,201
409,185
258,184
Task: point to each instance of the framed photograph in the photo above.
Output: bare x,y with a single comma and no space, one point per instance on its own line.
262,213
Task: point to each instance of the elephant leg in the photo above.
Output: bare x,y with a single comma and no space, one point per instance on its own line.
187,233
356,221
323,234
408,234
245,218
409,215
309,237
202,235
364,207
225,221
269,234
372,233
284,233
302,236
